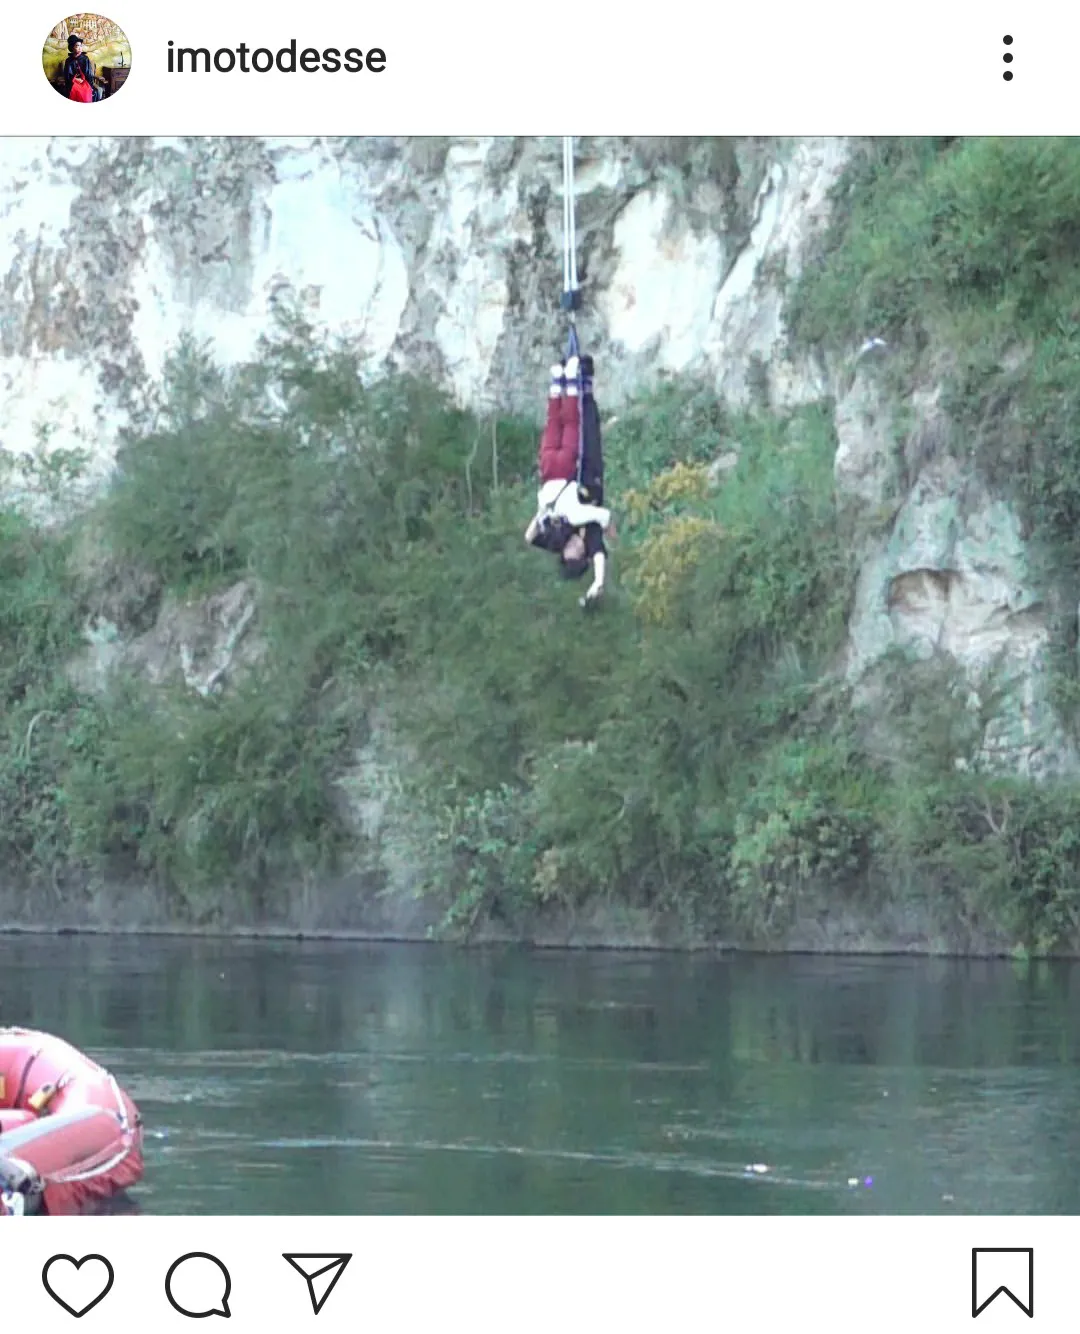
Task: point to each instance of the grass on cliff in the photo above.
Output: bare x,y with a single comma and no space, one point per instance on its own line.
963,254
565,756
690,750
46,725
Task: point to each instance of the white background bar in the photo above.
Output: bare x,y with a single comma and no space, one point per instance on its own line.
575,1275
489,67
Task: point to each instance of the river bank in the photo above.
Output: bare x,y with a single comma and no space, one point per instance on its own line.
600,929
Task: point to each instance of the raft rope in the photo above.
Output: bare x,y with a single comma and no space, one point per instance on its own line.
24,1076
571,296
62,1178
121,1109
73,1177
16,1202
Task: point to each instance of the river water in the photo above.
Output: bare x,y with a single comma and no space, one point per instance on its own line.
315,1078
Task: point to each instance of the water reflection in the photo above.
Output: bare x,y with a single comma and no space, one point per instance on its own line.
342,1078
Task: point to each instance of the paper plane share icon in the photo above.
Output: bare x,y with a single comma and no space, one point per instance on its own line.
321,1273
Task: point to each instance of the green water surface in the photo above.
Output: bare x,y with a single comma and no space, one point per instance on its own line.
320,1078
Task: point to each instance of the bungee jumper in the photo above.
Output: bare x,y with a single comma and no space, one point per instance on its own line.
571,518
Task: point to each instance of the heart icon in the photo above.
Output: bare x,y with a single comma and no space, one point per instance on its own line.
83,1288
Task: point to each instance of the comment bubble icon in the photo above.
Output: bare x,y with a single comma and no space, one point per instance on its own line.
198,1285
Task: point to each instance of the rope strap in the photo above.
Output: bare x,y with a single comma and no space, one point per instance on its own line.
571,297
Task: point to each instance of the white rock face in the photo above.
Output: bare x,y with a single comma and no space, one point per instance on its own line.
747,319
311,228
208,643
951,578
944,568
661,296
865,461
443,256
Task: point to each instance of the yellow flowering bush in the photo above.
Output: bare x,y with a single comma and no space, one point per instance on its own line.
671,552
680,483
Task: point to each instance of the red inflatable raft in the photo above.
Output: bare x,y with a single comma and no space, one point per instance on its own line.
70,1137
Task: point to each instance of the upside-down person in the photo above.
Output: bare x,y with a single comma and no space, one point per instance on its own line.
571,518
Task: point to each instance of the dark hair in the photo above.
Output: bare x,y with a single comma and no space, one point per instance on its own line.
73,41
556,531
574,569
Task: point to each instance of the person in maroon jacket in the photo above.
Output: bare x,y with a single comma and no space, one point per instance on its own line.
571,518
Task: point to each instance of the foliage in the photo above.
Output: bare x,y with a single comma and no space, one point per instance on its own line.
962,252
998,851
212,800
810,818
682,482
43,721
970,245
486,834
690,750
668,555
678,421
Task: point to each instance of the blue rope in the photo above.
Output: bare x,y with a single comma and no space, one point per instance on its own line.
572,349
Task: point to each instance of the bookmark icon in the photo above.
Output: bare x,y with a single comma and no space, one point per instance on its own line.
1002,1271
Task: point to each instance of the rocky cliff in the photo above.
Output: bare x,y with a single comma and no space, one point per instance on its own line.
444,256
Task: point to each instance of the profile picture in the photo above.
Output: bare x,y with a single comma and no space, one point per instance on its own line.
86,58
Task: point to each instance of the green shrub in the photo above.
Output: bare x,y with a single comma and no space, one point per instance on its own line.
700,762
679,421
42,719
963,254
219,801
809,819
997,855
924,230
486,834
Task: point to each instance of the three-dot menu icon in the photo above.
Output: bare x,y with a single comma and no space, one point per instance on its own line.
1007,57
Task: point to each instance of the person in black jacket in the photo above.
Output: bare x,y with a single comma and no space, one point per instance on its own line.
580,545
591,487
79,63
